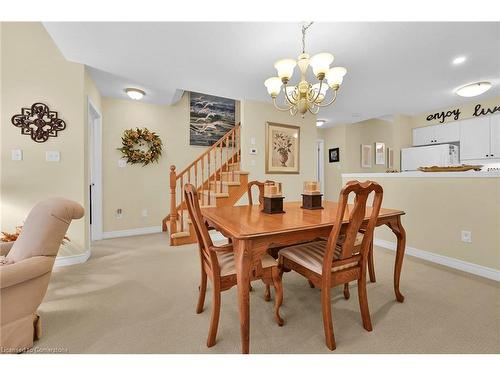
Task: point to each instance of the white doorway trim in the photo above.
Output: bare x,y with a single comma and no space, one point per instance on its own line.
94,186
320,163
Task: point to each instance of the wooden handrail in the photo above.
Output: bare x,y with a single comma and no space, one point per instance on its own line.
214,162
224,137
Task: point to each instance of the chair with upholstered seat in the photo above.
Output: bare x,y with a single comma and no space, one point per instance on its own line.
25,270
343,257
218,265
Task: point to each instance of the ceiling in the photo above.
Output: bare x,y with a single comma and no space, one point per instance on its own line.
392,67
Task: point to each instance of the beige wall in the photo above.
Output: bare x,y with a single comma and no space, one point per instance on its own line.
135,188
438,209
33,70
254,116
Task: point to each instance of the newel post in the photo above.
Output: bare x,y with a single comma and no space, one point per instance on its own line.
173,200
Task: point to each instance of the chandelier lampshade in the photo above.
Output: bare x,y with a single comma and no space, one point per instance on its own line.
304,96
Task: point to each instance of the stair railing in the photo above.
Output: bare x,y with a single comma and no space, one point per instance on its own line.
206,171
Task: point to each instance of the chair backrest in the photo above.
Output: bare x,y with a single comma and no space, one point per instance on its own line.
260,185
44,229
204,241
362,191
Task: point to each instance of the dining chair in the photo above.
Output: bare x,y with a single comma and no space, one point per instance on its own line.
338,260
260,185
218,265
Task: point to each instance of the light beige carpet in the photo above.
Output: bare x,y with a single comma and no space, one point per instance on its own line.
138,295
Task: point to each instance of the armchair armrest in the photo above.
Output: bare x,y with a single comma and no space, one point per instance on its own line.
5,247
25,270
227,248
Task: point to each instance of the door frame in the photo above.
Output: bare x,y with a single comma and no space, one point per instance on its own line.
320,163
94,124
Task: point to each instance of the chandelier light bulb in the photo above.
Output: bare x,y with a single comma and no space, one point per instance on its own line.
285,68
335,76
135,94
320,63
473,89
273,86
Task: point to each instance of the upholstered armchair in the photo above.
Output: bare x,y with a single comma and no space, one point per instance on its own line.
25,269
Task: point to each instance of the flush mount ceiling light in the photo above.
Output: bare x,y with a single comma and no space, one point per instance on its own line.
135,94
305,96
320,123
473,89
459,60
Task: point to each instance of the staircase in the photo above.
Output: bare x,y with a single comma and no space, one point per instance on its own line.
220,182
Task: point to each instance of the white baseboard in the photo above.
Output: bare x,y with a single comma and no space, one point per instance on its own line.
131,232
70,260
476,269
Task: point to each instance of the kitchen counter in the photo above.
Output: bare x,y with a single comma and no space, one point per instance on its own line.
468,174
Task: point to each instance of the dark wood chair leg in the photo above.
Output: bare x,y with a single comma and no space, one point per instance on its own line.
214,322
347,294
371,265
326,309
311,284
363,302
267,293
278,294
203,289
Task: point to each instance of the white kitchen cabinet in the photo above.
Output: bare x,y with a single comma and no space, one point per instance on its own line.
435,134
495,136
476,138
423,136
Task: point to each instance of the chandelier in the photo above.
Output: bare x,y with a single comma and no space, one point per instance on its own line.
305,96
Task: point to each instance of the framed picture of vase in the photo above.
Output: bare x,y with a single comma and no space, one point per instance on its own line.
366,156
282,148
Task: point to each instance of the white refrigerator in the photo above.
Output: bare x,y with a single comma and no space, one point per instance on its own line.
444,155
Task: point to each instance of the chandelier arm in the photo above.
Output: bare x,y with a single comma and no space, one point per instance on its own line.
312,111
286,95
319,91
280,108
331,102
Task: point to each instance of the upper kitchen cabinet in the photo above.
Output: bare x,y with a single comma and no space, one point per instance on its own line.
480,138
429,135
495,136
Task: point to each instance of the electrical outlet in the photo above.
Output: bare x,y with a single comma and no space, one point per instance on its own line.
119,213
144,212
122,163
252,162
466,236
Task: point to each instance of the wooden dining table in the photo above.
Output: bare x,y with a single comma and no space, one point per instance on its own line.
253,231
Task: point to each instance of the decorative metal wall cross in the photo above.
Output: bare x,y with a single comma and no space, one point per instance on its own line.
39,122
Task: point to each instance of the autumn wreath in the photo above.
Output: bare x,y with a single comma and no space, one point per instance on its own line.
141,146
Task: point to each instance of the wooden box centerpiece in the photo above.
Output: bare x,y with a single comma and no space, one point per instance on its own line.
311,196
273,198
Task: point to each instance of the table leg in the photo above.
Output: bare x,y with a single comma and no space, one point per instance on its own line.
397,228
243,263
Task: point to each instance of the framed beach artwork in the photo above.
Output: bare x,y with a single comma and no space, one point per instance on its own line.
380,153
210,118
282,148
366,156
390,158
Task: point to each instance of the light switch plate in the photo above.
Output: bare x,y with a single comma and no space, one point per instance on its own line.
466,236
17,155
252,140
253,151
52,156
122,163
